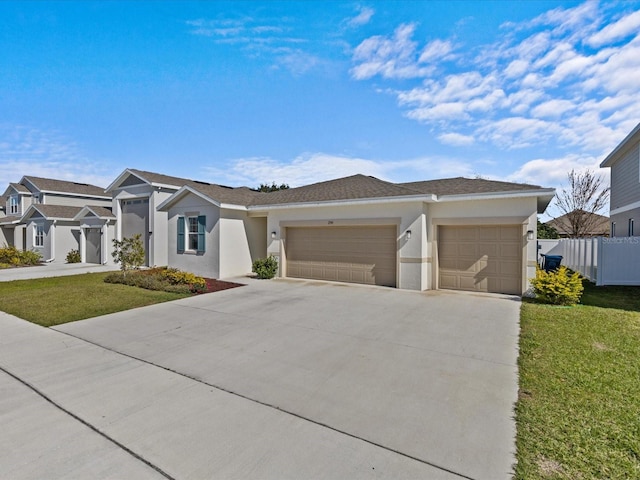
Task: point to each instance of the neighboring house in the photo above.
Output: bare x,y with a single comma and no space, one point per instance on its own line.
624,162
586,225
469,234
136,196
39,214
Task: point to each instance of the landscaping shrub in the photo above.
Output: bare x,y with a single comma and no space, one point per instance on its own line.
560,287
177,277
265,268
10,255
161,279
129,253
73,256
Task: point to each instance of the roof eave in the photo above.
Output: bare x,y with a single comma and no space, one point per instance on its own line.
116,183
615,153
357,201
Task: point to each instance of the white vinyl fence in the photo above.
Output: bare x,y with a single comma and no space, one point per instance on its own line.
603,260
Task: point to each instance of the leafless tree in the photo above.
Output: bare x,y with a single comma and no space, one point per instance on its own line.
582,202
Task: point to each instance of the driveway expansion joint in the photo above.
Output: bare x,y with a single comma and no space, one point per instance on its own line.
240,395
93,428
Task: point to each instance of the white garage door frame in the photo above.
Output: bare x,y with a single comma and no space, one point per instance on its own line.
349,222
478,222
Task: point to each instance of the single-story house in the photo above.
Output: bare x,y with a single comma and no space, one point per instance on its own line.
580,224
457,233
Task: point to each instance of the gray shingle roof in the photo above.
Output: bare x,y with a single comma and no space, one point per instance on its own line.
347,188
58,211
19,188
462,186
159,178
101,211
63,186
234,196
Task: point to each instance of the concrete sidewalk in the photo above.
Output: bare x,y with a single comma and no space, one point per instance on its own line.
71,409
48,270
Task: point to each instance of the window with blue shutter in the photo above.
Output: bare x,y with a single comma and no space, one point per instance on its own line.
202,223
180,234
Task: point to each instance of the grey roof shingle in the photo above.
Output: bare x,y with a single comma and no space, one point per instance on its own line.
101,211
462,186
57,211
347,188
234,196
63,186
19,188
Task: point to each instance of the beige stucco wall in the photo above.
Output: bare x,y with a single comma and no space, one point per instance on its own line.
417,256
522,211
242,240
412,270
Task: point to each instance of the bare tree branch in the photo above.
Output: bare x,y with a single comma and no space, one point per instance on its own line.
582,201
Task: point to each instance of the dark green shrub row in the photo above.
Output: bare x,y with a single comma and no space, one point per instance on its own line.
18,258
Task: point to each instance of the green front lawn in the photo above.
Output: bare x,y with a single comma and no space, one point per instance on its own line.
52,301
578,413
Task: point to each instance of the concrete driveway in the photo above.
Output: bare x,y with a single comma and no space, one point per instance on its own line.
286,379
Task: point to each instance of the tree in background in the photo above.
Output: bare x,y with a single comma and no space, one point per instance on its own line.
546,232
265,187
582,201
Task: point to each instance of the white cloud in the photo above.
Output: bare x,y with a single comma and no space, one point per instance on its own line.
456,139
435,50
362,18
539,84
552,108
627,25
394,57
317,167
30,151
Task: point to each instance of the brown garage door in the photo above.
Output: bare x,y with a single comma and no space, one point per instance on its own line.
343,254
481,258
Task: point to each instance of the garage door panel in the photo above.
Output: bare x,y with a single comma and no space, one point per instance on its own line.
480,258
347,254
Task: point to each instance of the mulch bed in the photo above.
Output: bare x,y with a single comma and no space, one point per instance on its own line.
214,285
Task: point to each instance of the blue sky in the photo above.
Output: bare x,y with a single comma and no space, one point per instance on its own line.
240,93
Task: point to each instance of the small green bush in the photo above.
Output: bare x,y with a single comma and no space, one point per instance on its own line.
560,287
265,268
177,277
10,255
73,256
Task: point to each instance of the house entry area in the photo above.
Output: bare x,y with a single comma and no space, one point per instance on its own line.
354,254
93,243
481,258
135,220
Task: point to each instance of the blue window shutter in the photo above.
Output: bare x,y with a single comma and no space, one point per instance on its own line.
202,223
180,234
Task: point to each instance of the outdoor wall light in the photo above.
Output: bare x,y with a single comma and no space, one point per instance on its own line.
408,234
529,234
273,234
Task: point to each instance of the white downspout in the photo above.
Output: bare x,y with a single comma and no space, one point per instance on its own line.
105,241
83,244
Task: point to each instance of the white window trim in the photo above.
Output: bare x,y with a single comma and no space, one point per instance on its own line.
38,239
14,208
188,234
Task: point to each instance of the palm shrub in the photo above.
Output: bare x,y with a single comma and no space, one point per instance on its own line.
265,268
559,287
73,256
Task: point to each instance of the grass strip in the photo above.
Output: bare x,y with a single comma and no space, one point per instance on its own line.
53,301
578,412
